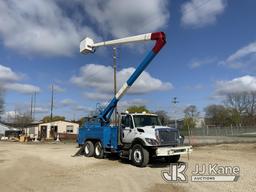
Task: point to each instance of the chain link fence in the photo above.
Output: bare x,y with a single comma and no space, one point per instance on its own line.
217,135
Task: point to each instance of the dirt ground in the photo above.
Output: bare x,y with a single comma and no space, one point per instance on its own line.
50,167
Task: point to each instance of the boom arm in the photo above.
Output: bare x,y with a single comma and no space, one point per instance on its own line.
88,46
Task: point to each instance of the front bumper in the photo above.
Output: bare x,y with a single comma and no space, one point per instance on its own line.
169,151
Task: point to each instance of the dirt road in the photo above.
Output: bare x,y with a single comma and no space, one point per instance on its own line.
50,167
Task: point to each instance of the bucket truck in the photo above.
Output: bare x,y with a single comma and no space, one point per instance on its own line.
139,136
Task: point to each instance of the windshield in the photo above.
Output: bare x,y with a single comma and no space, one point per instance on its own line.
145,120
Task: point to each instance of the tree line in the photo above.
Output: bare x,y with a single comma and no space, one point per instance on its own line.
237,109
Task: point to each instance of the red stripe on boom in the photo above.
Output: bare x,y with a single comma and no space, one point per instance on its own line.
160,41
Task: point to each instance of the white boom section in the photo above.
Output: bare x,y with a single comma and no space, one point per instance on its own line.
137,38
88,45
122,91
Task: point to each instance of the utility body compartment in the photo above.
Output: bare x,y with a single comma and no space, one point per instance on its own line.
108,135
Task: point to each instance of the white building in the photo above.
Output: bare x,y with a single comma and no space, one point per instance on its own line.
199,122
32,130
63,129
3,128
52,130
8,131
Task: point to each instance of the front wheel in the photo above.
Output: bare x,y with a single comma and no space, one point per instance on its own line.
99,153
139,156
172,159
88,149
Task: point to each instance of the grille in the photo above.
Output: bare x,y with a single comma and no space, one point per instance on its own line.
168,137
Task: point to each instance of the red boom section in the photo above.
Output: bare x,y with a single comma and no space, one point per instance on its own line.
160,41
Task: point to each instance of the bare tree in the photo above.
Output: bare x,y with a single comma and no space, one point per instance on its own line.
249,118
251,106
190,114
242,107
217,115
137,109
163,117
191,111
238,101
22,119
48,118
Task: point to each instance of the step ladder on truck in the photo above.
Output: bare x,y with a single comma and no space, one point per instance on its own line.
139,136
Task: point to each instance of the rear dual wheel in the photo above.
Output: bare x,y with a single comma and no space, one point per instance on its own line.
89,149
99,152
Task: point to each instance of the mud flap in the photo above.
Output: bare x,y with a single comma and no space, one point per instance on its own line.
130,154
80,151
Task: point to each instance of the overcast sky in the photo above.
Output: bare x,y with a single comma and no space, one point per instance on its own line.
210,51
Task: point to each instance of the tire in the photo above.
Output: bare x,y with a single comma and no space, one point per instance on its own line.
98,151
88,149
139,156
172,159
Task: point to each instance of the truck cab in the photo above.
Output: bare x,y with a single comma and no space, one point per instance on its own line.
148,128
150,138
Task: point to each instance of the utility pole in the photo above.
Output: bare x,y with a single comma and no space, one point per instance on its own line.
31,106
34,106
52,104
114,67
175,101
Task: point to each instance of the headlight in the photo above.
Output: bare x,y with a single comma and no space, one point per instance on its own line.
181,138
157,136
152,141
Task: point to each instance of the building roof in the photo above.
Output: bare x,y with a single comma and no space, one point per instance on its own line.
3,128
143,113
57,122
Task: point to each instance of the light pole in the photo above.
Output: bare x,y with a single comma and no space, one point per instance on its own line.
175,101
51,116
114,66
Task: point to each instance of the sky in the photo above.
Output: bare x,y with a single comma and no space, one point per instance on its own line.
210,51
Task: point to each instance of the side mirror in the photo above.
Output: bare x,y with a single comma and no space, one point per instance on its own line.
182,138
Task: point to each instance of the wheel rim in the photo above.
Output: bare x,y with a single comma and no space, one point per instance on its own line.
86,149
137,156
98,150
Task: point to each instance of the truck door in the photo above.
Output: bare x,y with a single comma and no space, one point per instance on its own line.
128,129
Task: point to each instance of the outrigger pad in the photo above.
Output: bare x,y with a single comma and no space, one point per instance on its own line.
79,152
